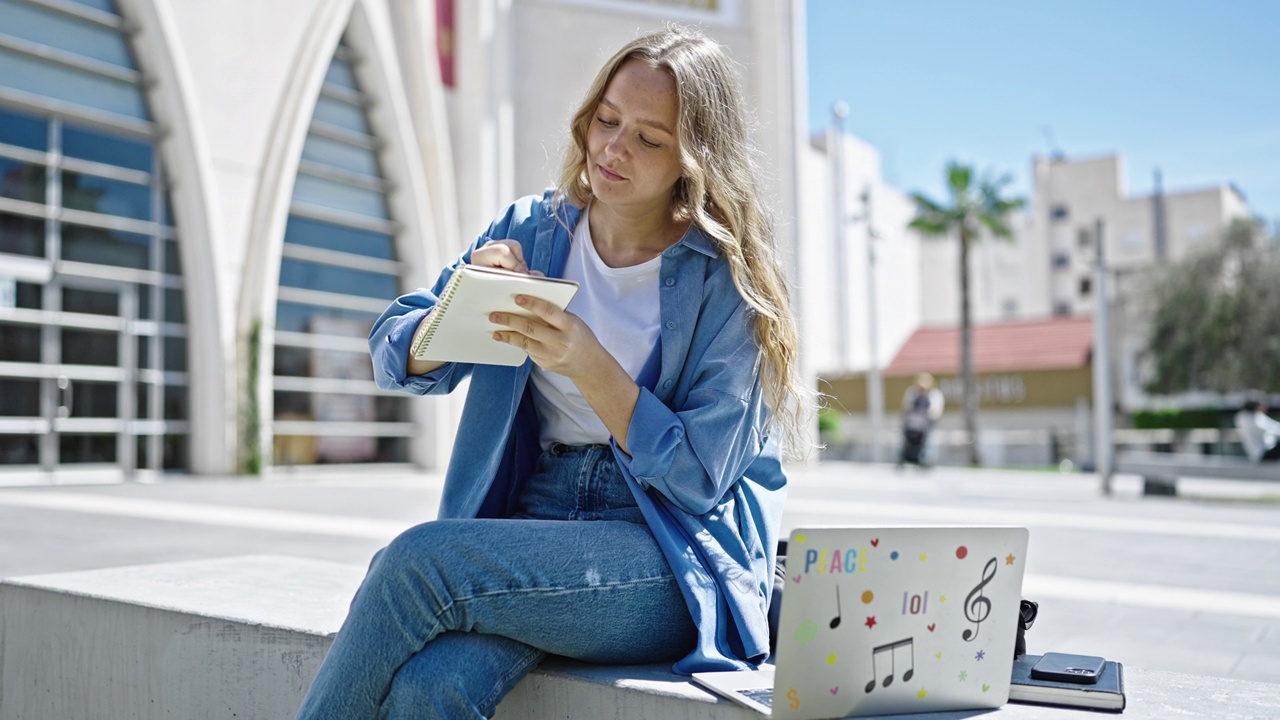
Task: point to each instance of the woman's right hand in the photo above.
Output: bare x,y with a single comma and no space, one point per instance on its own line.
505,254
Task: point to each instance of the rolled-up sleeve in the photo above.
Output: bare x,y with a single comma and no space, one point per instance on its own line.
392,333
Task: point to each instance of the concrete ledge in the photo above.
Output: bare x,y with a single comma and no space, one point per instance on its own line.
227,638
242,638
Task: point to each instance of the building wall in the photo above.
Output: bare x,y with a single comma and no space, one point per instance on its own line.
234,88
834,281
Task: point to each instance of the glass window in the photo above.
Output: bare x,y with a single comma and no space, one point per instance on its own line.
94,302
19,343
19,450
23,130
106,196
19,397
313,187
338,154
292,362
141,454
86,448
319,234
391,409
175,452
175,402
340,74
292,406
82,243
175,307
21,181
30,295
103,5
107,149
330,278
78,87
90,347
341,114
172,261
144,352
64,32
393,449
297,317
95,399
175,355
340,196
21,235
146,303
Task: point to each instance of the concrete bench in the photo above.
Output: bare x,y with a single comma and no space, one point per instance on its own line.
242,637
1160,471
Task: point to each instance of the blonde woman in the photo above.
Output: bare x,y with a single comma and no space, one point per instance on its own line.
617,498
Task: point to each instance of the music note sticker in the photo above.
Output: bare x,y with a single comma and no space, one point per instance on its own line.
835,621
976,605
892,649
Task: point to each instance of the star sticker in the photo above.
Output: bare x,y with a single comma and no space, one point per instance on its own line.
921,694
1009,559
964,675
871,621
942,598
981,654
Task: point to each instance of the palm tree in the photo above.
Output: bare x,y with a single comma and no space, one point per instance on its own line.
972,208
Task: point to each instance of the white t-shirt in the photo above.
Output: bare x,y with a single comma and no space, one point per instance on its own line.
620,305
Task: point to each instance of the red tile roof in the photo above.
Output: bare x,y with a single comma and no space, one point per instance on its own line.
1030,345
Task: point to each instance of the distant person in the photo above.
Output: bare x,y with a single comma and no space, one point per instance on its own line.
1259,433
922,405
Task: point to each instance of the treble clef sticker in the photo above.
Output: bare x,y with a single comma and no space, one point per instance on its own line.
976,606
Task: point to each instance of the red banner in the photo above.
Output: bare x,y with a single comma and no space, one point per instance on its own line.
445,40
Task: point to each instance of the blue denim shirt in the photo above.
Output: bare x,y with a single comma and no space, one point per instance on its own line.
704,472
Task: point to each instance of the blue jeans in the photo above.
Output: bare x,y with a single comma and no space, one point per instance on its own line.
453,613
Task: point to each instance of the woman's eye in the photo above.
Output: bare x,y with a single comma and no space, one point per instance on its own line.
607,123
648,142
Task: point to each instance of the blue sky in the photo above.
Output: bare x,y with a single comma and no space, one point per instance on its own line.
1189,86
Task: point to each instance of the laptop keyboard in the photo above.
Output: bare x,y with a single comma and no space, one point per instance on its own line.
764,695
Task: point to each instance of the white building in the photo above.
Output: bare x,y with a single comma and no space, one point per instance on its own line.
204,205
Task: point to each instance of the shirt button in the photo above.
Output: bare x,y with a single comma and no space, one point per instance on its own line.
671,326
666,384
671,281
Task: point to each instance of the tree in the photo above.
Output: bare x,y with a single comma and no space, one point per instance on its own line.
1216,319
973,207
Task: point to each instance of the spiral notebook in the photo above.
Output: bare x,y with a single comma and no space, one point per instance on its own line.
458,329
889,620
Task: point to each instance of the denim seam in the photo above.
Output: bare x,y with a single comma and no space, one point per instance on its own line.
565,591
519,670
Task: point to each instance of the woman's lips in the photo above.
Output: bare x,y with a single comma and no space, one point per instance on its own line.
609,174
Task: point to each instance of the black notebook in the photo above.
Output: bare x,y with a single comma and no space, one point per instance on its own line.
1106,694
458,329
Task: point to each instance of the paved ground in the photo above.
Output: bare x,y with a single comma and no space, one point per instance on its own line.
1188,584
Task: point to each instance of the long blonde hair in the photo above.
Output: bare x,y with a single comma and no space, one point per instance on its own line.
717,192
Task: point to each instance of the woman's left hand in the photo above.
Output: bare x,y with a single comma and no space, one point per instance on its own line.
558,341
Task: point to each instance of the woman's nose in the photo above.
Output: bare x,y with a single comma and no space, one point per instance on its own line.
616,146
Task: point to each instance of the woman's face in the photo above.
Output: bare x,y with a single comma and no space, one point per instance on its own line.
632,155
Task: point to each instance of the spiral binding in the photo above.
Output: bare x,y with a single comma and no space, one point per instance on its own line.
423,339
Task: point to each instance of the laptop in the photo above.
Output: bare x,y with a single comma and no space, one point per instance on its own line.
887,620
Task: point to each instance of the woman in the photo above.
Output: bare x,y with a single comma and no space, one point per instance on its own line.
617,499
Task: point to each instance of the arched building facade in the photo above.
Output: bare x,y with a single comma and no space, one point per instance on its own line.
203,207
